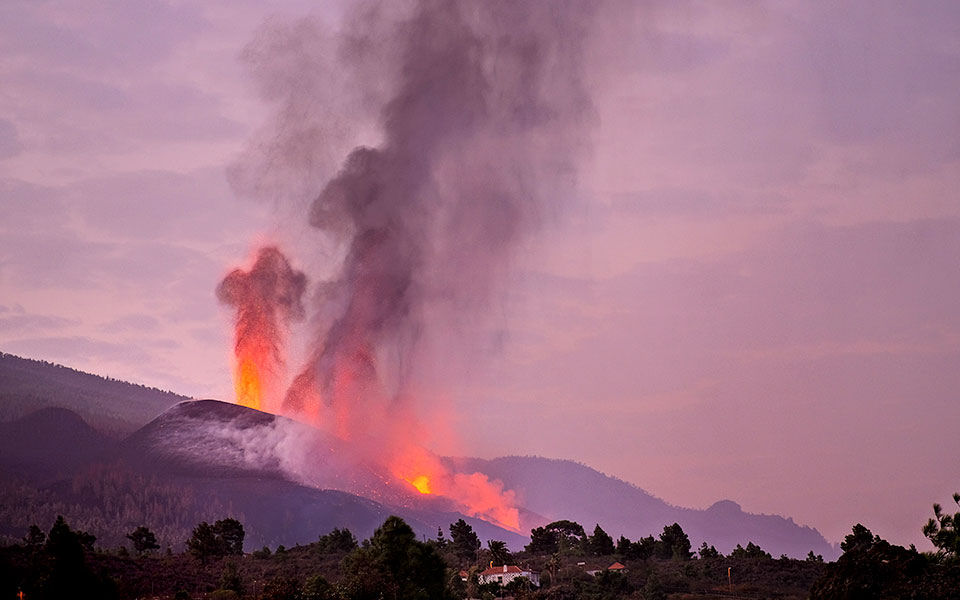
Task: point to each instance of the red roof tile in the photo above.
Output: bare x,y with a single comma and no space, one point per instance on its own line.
500,570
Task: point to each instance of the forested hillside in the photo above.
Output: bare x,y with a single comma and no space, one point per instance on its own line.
111,406
562,562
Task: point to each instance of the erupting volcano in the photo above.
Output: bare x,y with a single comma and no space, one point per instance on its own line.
479,129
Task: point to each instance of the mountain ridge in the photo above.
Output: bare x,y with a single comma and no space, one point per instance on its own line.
112,406
208,440
552,487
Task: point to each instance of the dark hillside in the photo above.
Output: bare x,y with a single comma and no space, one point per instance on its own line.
199,461
49,444
563,489
205,459
111,406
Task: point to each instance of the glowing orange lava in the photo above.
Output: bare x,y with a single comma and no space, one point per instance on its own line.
341,393
422,483
266,298
475,493
247,384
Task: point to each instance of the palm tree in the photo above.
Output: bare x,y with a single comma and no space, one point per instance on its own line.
498,552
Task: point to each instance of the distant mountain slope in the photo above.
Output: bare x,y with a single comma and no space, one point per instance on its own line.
562,489
207,459
112,406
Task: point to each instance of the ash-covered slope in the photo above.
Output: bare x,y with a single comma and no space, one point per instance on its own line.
290,482
204,438
199,461
563,489
210,438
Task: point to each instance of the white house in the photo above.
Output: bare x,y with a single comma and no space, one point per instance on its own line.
507,573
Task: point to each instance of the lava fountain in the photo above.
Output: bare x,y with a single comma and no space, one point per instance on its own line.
266,299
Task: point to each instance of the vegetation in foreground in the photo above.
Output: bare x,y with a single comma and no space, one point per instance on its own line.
394,564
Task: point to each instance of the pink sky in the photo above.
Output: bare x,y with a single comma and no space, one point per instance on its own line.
753,295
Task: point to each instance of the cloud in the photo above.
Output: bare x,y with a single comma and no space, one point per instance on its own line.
113,36
88,90
692,203
66,261
890,285
9,140
30,207
159,205
77,350
106,116
871,89
131,323
806,109
25,323
50,259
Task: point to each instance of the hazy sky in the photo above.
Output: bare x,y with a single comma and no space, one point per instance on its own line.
753,294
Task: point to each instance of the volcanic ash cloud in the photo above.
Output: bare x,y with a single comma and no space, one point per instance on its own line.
482,112
480,131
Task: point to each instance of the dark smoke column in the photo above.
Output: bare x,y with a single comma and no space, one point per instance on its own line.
266,298
481,128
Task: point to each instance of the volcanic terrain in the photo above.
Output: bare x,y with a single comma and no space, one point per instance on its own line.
289,482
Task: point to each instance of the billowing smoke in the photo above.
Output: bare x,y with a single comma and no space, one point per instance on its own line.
482,122
266,299
480,109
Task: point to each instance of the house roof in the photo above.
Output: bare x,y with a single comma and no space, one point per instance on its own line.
503,569
617,566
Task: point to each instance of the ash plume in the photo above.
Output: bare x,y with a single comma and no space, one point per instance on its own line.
266,298
482,112
481,129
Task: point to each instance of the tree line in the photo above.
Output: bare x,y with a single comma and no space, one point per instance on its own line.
394,564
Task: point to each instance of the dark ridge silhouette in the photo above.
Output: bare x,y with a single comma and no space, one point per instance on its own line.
111,406
564,489
50,443
190,464
206,459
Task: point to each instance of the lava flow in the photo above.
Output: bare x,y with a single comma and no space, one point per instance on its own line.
422,483
475,493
